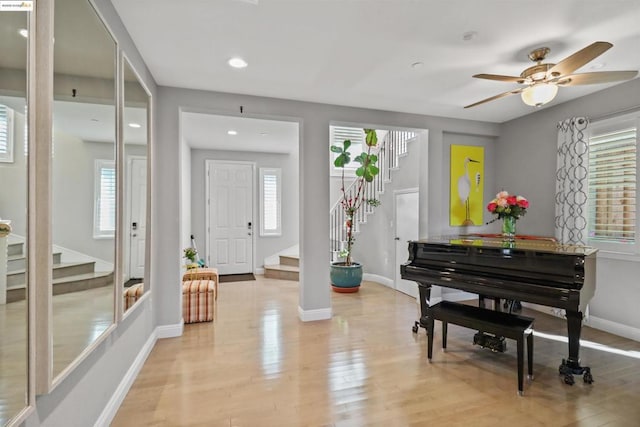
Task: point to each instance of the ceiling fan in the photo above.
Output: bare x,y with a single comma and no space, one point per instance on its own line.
541,81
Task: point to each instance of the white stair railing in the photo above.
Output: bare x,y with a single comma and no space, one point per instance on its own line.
393,147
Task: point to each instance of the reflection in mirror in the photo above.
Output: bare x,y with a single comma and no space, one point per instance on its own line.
136,106
13,214
83,180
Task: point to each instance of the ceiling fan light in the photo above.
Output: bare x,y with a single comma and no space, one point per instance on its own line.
539,94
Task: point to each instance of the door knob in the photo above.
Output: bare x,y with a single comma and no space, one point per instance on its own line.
397,238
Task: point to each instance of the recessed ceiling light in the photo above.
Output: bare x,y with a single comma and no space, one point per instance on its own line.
135,125
232,132
596,65
418,64
237,62
264,133
23,32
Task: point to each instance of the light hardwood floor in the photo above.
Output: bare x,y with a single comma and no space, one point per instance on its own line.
257,364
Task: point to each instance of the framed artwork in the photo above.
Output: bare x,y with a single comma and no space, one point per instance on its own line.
466,204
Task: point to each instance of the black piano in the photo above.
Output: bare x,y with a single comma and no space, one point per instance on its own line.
537,271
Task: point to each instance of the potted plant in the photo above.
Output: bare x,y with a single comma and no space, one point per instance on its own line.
346,275
190,254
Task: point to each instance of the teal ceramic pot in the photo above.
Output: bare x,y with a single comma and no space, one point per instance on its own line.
346,279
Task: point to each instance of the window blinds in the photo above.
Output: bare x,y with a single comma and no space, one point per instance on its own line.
612,186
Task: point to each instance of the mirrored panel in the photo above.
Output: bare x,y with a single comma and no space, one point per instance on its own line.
83,180
135,135
13,214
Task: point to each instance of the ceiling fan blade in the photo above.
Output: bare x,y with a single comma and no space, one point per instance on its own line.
578,59
595,78
500,78
502,95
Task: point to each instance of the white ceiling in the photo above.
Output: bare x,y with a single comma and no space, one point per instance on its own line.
359,53
208,131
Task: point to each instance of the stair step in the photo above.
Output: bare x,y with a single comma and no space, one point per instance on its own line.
19,262
15,248
65,285
59,270
290,260
282,272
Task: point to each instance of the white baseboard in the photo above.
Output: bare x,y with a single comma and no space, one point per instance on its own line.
613,328
259,271
379,279
170,331
109,412
313,315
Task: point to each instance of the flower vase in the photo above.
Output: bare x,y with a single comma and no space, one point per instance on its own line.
508,228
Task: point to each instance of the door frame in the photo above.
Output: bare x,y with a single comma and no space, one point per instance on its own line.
396,270
209,163
129,195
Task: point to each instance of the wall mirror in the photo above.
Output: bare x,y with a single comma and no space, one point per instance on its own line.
13,215
84,200
135,133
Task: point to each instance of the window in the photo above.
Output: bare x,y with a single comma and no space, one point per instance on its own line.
612,194
270,201
104,222
6,134
338,135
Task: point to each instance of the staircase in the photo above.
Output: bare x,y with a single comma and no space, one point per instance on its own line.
287,269
392,148
67,277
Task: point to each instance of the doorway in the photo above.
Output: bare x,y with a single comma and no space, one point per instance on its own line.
138,216
406,209
229,216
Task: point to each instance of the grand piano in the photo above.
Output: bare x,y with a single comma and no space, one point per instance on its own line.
538,271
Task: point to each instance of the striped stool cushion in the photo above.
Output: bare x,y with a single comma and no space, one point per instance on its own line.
202,274
197,301
132,294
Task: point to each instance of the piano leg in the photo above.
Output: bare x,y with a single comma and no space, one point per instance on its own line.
571,366
425,296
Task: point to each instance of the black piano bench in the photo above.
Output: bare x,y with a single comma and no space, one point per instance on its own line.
484,320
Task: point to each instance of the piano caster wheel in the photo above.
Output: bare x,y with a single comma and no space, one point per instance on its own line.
415,328
568,379
588,378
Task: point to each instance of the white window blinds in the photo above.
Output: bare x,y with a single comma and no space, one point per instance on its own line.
6,134
270,202
105,206
612,185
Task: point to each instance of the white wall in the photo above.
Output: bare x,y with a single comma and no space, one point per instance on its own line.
265,246
526,153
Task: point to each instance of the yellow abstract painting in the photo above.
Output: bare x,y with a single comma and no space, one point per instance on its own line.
466,204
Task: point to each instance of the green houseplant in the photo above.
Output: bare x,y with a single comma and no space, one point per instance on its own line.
346,275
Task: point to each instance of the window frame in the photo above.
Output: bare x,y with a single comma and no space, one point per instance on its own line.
101,164
7,157
612,249
350,169
277,172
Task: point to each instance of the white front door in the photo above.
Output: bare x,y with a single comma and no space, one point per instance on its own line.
230,216
406,221
138,224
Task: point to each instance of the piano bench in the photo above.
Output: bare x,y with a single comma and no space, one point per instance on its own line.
484,320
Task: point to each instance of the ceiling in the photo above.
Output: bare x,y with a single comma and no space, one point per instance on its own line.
359,53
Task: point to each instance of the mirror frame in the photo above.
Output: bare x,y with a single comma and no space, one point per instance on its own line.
41,166
31,88
121,314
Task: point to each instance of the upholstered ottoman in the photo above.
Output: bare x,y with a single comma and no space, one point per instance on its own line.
203,274
197,301
132,294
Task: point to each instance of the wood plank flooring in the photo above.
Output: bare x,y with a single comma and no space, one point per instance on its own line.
257,364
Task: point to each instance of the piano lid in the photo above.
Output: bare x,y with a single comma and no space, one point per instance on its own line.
527,243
